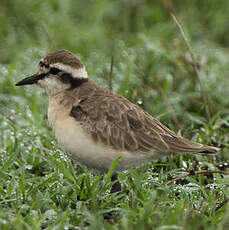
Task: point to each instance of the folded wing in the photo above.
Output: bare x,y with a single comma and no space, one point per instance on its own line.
113,120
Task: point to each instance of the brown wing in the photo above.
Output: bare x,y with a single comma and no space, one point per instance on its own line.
117,122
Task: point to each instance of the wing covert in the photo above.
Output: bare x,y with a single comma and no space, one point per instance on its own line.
114,121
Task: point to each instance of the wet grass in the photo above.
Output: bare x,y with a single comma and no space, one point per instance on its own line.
40,188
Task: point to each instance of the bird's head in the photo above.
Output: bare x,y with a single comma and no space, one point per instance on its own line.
58,71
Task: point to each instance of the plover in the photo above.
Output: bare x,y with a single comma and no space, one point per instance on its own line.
94,125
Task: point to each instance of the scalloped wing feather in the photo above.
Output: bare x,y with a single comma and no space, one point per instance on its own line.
115,121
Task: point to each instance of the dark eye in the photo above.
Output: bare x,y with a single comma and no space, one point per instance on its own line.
54,71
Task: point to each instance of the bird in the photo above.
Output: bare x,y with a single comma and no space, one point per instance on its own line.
94,125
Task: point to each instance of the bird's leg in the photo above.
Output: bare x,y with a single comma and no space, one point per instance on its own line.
116,187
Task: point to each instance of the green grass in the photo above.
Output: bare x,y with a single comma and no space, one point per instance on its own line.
40,188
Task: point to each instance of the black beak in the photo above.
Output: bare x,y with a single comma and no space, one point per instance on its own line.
32,79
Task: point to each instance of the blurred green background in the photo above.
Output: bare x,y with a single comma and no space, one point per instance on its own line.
149,51
154,68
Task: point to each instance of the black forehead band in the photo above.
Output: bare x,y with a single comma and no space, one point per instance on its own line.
42,64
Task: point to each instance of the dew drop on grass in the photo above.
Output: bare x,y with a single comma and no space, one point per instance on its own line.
139,102
27,151
50,214
4,124
11,133
28,112
4,71
212,186
19,134
52,142
184,164
61,175
28,166
12,111
4,221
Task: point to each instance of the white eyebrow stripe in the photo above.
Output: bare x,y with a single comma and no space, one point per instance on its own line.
76,73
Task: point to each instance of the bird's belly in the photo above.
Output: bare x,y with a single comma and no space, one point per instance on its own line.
81,148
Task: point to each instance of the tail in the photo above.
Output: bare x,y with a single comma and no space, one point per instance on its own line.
182,145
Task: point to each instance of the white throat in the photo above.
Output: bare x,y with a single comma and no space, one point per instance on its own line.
53,86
